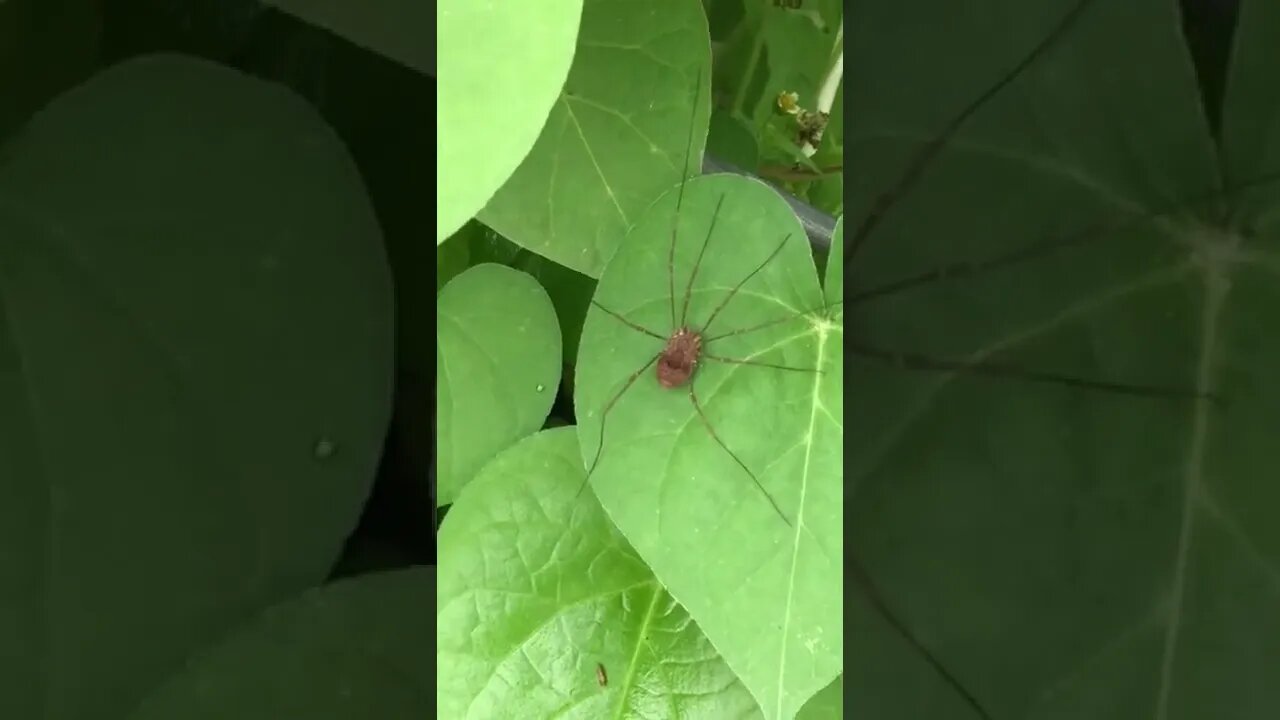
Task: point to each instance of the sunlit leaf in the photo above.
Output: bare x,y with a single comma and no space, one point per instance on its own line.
502,66
541,598
767,591
497,368
616,137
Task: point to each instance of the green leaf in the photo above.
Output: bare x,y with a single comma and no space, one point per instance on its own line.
828,704
833,287
502,66
537,589
1250,147
497,368
195,374
356,649
768,594
729,139
1065,552
799,46
396,29
617,136
570,293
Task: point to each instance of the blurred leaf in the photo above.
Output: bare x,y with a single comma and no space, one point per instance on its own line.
502,66
729,139
195,374
1066,552
767,593
1251,148
617,136
46,46
799,44
497,368
396,29
537,588
355,649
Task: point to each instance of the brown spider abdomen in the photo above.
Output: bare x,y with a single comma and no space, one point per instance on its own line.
679,358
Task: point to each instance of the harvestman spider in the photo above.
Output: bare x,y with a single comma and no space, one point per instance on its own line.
677,362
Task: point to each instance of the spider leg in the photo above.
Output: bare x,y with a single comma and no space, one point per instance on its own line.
604,414
877,601
759,363
712,432
771,323
742,282
628,323
885,201
675,219
913,361
1096,231
688,290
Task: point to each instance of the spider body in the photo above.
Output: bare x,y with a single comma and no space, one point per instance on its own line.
679,358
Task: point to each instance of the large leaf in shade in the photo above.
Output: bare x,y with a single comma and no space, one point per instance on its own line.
616,138
538,591
356,649
766,592
502,66
398,29
497,368
1065,552
45,46
195,371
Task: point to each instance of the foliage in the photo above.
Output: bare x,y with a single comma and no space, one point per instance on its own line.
612,157
144,422
1067,551
213,288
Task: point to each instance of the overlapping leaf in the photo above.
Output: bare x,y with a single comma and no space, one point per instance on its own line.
1066,552
359,648
541,598
502,66
195,374
497,368
616,138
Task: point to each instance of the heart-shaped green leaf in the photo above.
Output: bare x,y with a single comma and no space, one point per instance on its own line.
497,368
356,649
195,374
616,138
544,610
767,591
502,66
1065,550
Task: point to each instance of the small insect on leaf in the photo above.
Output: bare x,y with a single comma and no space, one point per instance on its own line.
601,677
